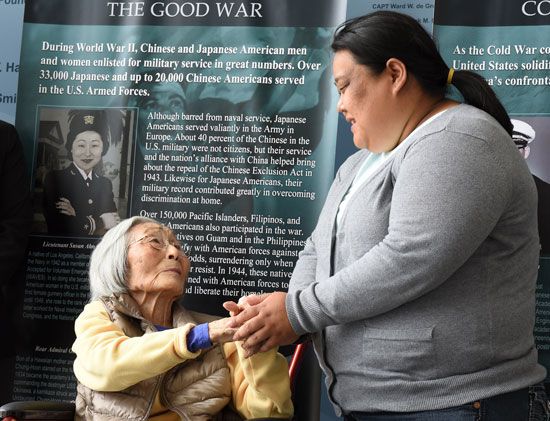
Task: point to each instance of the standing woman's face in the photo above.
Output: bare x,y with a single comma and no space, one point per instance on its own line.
365,102
86,150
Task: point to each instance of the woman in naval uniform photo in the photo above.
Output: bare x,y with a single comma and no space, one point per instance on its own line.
77,200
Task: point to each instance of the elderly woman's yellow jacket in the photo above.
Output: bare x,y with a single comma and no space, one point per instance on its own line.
125,371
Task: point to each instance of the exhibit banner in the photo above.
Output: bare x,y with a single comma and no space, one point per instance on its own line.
508,43
216,118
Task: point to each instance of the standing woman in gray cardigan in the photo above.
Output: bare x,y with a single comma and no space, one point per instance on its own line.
417,285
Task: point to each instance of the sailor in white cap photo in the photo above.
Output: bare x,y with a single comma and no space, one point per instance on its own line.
523,134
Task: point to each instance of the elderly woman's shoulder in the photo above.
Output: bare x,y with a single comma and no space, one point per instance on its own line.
92,313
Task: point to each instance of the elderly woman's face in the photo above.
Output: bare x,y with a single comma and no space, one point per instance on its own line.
156,263
86,150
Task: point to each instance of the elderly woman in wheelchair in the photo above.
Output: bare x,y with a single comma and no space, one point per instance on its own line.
141,355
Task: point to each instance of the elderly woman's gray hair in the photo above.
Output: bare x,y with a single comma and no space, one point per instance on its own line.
108,261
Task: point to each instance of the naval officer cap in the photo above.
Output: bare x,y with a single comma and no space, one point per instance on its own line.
523,133
88,120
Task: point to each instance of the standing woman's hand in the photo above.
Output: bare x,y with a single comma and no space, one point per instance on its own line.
244,302
264,325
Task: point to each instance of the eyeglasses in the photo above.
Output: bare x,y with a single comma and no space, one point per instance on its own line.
160,242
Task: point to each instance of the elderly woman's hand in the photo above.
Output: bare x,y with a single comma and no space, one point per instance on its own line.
220,332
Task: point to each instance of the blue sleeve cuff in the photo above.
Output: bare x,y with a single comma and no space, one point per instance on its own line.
198,338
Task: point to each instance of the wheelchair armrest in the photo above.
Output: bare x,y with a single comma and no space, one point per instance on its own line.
38,410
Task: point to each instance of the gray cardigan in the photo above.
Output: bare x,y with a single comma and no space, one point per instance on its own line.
424,298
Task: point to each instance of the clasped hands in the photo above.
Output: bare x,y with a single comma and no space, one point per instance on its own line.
259,321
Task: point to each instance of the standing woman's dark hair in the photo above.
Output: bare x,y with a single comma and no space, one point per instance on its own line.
375,38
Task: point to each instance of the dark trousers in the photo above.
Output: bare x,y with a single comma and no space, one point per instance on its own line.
529,404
